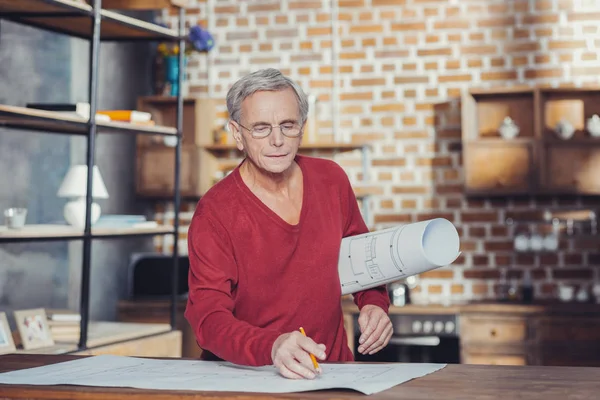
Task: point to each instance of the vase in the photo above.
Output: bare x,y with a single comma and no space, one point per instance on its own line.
172,72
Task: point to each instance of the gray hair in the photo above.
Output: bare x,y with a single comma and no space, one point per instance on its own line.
269,79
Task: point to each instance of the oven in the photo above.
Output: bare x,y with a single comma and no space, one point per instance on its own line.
418,338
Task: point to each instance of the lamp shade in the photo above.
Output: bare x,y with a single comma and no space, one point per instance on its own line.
75,183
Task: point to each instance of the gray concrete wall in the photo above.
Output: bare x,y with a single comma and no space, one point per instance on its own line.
40,66
125,73
34,66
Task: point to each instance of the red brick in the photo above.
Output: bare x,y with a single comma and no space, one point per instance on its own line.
572,273
438,274
537,19
543,73
498,246
304,4
356,96
478,50
481,273
566,44
411,79
447,24
318,31
409,26
377,3
455,78
395,218
498,76
410,189
442,51
261,7
481,260
366,29
351,3
387,204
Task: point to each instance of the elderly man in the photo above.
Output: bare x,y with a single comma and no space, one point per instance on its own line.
264,244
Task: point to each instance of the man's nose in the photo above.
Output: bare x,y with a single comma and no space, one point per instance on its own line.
276,136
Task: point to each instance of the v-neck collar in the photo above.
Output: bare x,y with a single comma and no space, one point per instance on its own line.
264,208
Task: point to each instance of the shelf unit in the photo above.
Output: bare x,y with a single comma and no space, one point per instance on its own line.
537,160
95,24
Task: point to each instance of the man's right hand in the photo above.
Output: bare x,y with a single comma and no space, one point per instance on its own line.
291,355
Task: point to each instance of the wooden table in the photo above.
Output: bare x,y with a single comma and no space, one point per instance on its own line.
466,382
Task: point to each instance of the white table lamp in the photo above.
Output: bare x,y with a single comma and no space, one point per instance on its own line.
74,185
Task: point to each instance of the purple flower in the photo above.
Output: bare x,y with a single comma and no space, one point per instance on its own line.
200,39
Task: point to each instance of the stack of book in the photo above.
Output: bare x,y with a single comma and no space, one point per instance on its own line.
64,325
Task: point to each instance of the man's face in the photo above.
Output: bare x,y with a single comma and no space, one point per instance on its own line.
274,153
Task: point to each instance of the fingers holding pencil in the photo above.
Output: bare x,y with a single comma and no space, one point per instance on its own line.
312,353
291,354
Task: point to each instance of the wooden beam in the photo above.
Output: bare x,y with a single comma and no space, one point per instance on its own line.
142,4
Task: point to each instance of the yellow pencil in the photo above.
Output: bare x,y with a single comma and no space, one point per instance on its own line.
312,357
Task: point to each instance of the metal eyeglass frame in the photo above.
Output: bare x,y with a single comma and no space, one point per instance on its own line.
271,131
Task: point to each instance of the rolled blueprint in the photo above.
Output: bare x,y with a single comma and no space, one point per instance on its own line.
376,258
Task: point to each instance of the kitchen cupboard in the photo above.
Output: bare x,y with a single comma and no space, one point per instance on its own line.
531,140
511,334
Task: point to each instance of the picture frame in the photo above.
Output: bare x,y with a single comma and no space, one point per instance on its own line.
7,344
33,328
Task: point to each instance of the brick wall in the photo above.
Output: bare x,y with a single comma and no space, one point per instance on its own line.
390,72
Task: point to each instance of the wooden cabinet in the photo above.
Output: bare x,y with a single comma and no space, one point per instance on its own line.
567,335
539,159
498,167
155,160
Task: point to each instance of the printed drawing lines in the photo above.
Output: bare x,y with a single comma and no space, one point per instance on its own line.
370,258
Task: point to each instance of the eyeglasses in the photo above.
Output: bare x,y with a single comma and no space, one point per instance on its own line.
289,129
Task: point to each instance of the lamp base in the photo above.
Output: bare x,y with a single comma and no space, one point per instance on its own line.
74,213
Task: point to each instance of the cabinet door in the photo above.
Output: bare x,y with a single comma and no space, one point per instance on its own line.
494,359
498,167
156,171
573,169
491,330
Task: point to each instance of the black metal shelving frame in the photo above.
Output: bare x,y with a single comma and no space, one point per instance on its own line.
90,130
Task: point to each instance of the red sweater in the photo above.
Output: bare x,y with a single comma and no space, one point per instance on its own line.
254,277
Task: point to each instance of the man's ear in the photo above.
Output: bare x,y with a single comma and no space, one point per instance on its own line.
237,135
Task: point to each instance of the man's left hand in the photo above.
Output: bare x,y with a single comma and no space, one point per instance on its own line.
376,329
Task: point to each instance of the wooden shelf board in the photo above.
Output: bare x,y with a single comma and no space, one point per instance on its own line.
76,20
103,333
58,231
500,141
143,4
303,146
575,141
157,99
501,90
42,120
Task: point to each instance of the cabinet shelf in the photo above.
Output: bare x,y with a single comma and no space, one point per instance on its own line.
537,161
304,146
48,232
105,333
75,19
54,122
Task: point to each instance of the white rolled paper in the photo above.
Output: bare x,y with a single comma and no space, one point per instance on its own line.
376,258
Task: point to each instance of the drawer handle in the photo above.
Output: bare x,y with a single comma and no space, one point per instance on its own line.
493,332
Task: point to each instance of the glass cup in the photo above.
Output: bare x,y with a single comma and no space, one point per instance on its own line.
14,218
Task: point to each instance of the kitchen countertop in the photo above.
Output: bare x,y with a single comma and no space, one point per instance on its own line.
547,308
455,381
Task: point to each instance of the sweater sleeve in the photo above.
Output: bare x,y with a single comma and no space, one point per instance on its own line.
212,281
355,225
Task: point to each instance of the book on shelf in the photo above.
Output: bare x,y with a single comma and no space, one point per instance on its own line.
133,116
62,315
80,109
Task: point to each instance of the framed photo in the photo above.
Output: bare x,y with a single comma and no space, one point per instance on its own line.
7,345
33,328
